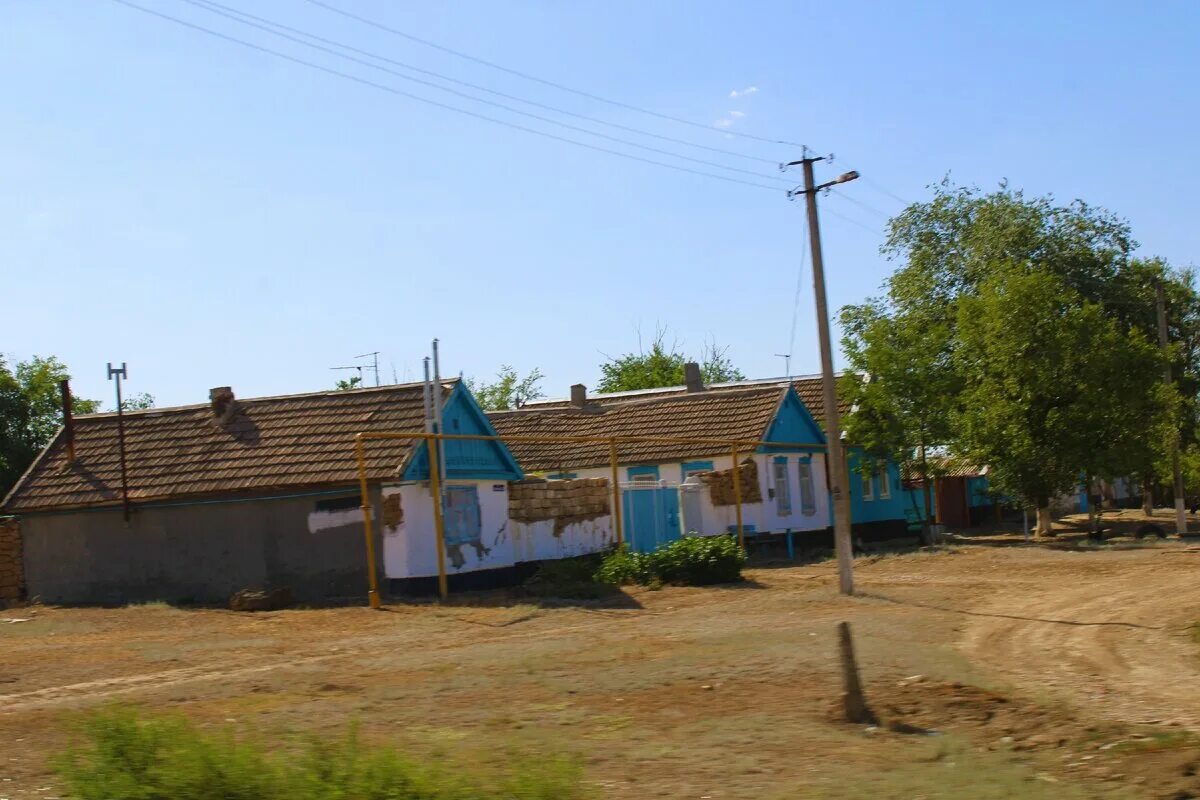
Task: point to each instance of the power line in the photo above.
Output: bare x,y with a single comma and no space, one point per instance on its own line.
436,103
544,81
796,299
861,204
212,6
204,4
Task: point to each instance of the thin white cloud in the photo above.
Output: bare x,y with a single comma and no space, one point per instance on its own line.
724,122
743,92
737,114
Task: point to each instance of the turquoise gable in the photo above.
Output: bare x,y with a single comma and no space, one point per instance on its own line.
793,423
466,459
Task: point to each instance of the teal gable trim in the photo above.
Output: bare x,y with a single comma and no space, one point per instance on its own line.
694,466
793,423
466,459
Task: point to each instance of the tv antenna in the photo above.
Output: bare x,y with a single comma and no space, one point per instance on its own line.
374,356
787,363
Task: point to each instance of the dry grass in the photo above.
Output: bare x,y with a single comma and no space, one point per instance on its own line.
684,692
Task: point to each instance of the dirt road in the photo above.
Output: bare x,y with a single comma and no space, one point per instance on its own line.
717,692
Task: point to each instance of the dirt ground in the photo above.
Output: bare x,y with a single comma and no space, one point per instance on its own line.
998,669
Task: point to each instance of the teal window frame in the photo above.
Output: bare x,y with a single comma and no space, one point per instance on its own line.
632,473
694,466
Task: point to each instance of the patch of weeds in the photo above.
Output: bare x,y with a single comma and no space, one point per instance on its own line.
124,754
573,578
1158,741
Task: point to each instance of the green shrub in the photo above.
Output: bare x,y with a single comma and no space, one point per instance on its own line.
699,561
127,757
623,566
690,561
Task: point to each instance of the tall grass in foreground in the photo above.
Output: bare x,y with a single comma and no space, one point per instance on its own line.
124,755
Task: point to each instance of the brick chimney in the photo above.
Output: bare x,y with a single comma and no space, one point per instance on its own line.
223,404
579,395
691,377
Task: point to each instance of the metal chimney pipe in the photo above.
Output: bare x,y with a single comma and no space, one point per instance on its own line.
68,419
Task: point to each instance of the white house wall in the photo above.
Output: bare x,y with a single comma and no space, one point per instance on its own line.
410,548
537,541
763,516
410,551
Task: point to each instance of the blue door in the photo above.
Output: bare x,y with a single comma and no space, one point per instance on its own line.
651,516
463,523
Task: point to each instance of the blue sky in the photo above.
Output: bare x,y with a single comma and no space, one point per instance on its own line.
215,216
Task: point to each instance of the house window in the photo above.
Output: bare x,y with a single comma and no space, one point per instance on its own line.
642,474
783,488
562,476
808,495
867,484
691,468
885,481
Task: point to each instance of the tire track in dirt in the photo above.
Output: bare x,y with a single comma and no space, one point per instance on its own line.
1115,641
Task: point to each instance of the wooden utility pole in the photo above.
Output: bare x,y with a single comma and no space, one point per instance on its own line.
838,482
1160,303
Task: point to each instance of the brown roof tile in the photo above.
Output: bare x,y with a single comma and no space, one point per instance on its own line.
809,389
742,413
287,442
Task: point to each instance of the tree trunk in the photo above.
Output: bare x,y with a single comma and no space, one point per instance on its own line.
1045,526
1093,503
1147,498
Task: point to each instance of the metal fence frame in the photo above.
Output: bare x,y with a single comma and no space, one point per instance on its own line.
435,486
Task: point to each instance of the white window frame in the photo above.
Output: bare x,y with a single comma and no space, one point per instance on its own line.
804,475
868,484
783,488
885,481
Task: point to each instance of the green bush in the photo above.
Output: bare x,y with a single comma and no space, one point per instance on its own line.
699,560
623,566
128,757
690,561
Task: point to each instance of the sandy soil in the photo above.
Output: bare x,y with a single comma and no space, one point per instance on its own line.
1044,671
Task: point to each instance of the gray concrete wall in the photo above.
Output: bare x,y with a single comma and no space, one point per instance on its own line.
197,553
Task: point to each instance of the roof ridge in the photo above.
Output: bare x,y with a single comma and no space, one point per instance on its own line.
150,412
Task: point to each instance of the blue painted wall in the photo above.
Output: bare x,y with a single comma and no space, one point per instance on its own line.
467,460
876,509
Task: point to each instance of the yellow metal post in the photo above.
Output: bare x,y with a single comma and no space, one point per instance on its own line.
368,533
616,492
737,497
439,521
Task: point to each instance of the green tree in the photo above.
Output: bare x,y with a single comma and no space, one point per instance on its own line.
137,402
663,366
901,384
1055,389
508,391
964,241
30,413
348,384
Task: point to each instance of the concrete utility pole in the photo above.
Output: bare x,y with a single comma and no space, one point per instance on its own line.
838,479
1160,303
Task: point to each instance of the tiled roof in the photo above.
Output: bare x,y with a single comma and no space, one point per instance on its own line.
808,387
943,467
271,443
741,414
